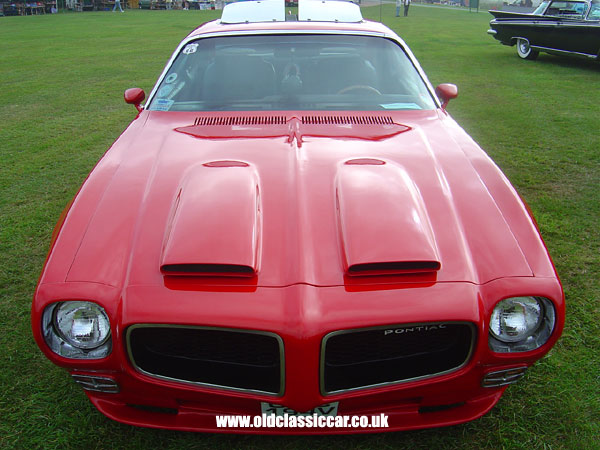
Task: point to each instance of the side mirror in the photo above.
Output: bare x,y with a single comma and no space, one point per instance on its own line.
135,96
446,92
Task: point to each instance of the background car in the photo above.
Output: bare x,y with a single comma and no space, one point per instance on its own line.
558,27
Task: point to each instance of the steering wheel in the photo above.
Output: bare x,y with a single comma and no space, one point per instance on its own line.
357,87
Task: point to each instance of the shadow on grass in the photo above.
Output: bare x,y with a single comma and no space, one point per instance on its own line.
568,61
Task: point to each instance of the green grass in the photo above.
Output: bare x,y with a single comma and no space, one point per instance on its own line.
61,106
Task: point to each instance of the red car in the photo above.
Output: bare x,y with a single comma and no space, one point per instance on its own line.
293,224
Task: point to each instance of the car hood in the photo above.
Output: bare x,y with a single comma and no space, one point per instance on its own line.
283,199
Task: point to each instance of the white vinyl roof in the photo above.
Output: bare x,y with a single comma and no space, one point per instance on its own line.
274,11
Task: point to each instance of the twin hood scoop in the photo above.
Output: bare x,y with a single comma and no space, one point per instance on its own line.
215,227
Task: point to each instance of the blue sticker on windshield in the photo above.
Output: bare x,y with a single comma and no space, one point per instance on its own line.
401,106
162,104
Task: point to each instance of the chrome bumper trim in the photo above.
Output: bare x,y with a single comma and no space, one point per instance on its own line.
97,384
503,377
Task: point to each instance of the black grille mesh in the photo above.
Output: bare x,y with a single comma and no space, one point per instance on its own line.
347,120
233,359
280,120
240,120
369,357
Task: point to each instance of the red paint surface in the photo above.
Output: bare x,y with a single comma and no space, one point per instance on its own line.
298,207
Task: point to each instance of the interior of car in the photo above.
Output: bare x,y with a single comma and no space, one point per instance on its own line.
292,72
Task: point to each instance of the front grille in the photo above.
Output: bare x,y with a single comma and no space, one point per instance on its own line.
233,359
354,359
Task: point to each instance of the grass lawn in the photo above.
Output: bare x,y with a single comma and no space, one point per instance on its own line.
61,84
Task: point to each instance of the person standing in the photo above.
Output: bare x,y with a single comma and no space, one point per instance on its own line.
117,3
406,5
398,4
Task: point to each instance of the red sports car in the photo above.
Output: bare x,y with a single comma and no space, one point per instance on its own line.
293,226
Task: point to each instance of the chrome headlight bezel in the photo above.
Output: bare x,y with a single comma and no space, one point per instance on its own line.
539,319
66,346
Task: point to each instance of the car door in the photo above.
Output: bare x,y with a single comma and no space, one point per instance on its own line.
571,32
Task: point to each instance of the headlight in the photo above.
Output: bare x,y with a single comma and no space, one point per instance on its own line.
520,324
77,329
515,319
82,324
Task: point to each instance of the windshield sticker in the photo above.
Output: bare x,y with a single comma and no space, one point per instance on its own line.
400,106
190,48
165,90
162,104
171,78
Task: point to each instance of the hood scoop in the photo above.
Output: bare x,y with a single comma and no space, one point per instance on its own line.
327,126
208,270
394,268
383,222
215,225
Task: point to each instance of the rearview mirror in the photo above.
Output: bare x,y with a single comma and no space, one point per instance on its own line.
135,96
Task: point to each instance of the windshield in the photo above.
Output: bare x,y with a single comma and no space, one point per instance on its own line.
540,9
291,72
567,8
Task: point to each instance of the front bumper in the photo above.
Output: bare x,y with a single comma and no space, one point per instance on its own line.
302,316
431,403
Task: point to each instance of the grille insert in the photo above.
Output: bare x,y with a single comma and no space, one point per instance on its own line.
280,120
240,120
232,359
347,120
355,359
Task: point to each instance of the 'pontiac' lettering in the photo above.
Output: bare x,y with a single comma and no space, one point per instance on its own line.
414,329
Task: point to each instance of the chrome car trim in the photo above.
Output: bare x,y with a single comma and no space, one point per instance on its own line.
193,383
562,52
548,49
541,23
503,377
96,384
386,327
